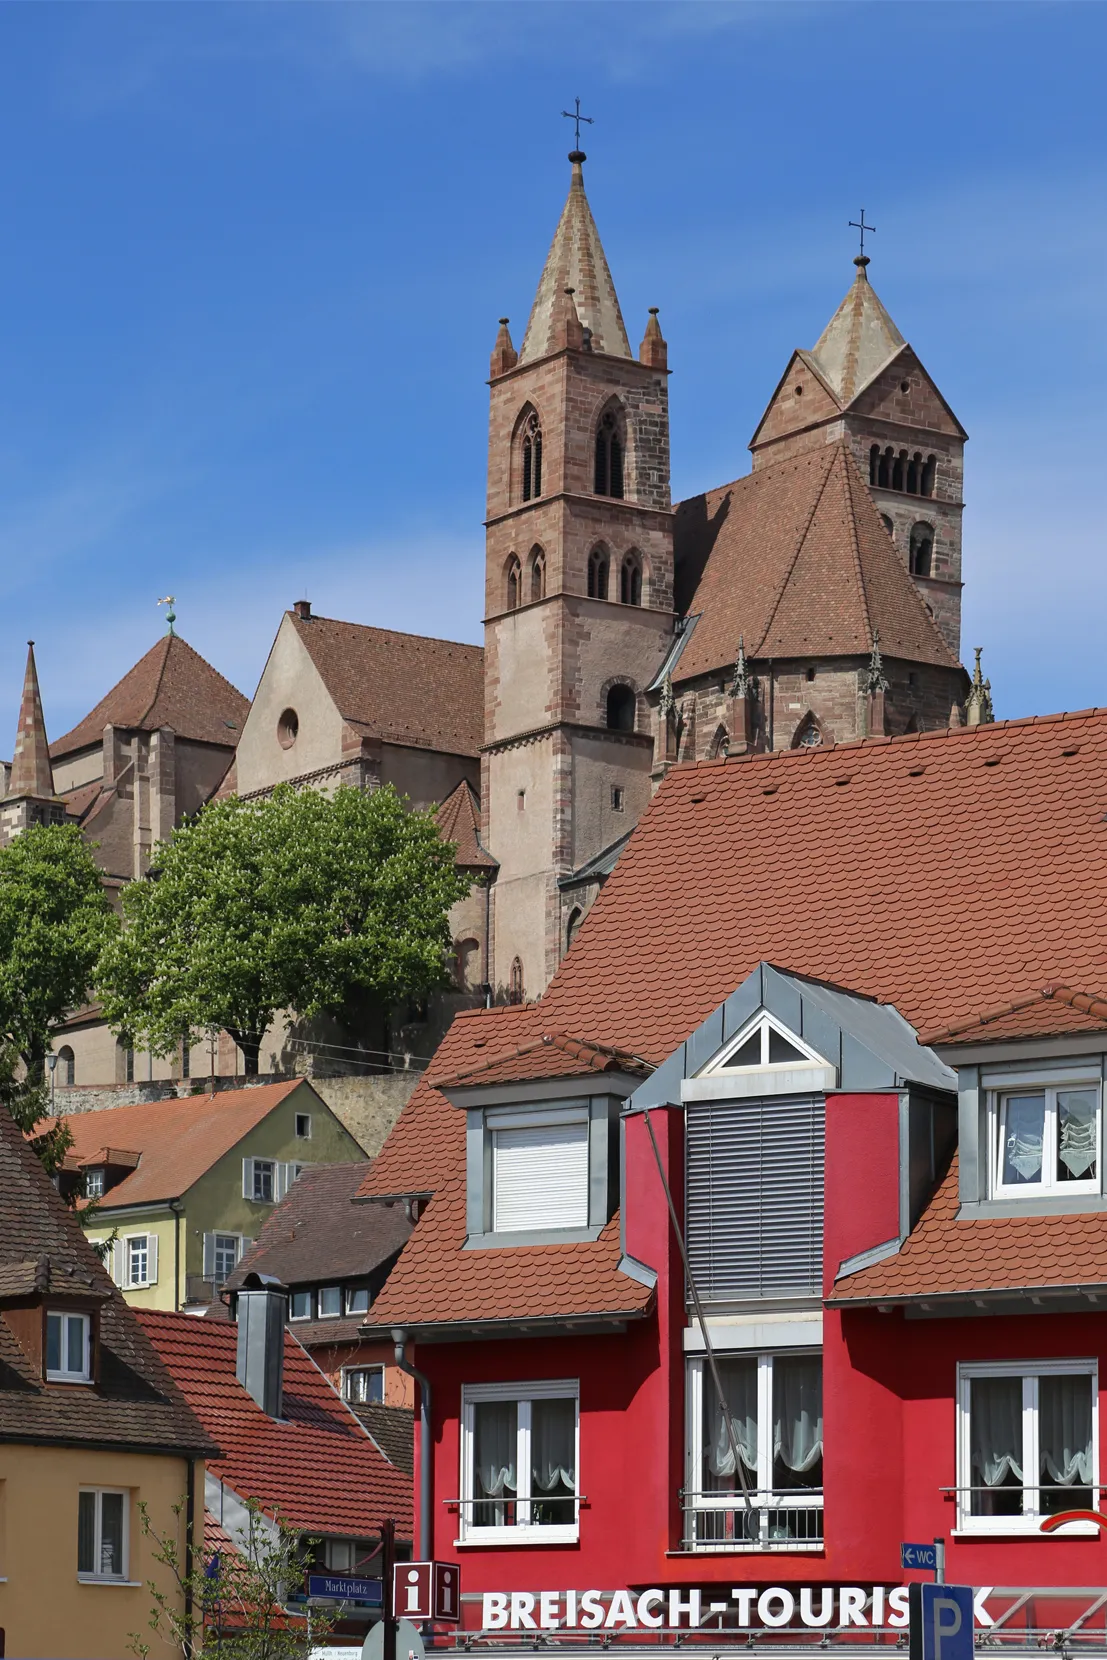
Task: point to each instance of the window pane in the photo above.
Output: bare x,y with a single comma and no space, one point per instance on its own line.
1077,1135
553,1461
330,1300
75,1350
739,1380
1021,1143
53,1342
357,1302
86,1533
1065,1443
995,1441
111,1533
263,1179
226,1255
301,1305
781,1052
750,1052
797,1421
495,1476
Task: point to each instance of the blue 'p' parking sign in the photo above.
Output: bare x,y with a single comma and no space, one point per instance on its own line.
941,1622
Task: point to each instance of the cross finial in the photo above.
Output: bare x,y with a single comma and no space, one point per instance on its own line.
576,117
170,615
860,225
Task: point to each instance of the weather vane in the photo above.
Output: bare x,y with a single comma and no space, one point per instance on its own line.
170,615
860,225
577,118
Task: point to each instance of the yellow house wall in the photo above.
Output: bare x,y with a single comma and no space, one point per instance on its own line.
44,1609
215,1203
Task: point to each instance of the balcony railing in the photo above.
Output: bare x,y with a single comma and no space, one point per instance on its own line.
1013,1506
790,1521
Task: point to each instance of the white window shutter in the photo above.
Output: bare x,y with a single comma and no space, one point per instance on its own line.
540,1177
209,1251
118,1262
151,1259
280,1180
247,1180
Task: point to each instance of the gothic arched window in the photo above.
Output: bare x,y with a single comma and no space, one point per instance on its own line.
532,457
630,580
515,993
576,917
874,463
808,734
610,447
514,583
899,466
537,574
621,708
598,567
67,1066
914,478
884,469
921,552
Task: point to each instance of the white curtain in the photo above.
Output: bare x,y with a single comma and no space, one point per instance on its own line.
553,1435
1076,1133
798,1412
995,1430
495,1437
1023,1128
1065,1430
739,1380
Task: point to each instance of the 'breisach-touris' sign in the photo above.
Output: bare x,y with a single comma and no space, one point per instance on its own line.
779,1605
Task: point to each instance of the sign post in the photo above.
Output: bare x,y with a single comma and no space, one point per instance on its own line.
941,1621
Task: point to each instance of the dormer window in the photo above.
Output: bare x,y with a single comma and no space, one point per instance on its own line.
1045,1140
94,1183
68,1347
765,1058
539,1169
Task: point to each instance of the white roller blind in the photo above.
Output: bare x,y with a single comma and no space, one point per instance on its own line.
540,1177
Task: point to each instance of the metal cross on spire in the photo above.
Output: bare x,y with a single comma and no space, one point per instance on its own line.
860,225
577,117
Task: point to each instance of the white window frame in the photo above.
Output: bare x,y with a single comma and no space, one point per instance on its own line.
63,1374
302,1293
524,1531
334,1314
766,1023
217,1278
353,1291
147,1245
94,1182
250,1174
1029,1371
764,1497
554,1117
1049,1085
120,1578
348,1372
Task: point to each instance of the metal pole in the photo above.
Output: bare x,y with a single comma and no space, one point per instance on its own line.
388,1613
939,1561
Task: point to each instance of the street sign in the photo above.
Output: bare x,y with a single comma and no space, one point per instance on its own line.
941,1621
427,1591
345,1589
918,1556
409,1644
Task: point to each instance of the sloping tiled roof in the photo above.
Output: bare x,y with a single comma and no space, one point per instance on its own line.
171,686
317,1233
316,1466
459,821
857,342
1051,1011
576,260
135,1402
796,561
393,1429
842,864
947,1257
403,688
436,1282
553,1055
178,1140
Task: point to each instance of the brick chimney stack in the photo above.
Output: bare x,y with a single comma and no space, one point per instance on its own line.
302,609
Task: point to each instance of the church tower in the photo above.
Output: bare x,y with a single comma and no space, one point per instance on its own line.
863,382
30,797
579,593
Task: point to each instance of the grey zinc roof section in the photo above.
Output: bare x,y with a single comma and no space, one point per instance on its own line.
869,1043
685,628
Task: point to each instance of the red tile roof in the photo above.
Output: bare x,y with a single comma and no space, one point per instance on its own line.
403,688
316,1466
171,686
1052,1010
946,1256
436,1282
178,1140
459,821
553,1055
795,560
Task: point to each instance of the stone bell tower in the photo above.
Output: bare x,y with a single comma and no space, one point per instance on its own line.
579,593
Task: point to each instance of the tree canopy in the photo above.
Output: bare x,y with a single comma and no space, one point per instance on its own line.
296,901
55,919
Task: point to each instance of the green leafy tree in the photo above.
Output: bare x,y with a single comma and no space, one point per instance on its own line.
299,901
54,922
234,1603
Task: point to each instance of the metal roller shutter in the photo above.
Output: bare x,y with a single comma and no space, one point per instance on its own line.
540,1177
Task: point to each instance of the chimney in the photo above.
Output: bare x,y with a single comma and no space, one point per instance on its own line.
302,609
261,1307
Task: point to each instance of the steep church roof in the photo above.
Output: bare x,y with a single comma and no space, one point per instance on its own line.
795,560
31,774
171,686
576,260
857,342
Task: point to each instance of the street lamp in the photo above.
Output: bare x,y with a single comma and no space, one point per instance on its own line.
52,1063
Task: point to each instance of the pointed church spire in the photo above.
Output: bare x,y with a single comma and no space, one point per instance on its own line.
859,339
32,774
654,350
504,355
576,260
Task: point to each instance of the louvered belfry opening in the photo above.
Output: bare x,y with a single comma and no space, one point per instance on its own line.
755,1196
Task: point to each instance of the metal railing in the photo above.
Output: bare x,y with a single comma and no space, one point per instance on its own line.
1023,1505
769,1521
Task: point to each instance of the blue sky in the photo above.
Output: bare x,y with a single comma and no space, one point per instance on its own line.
252,258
